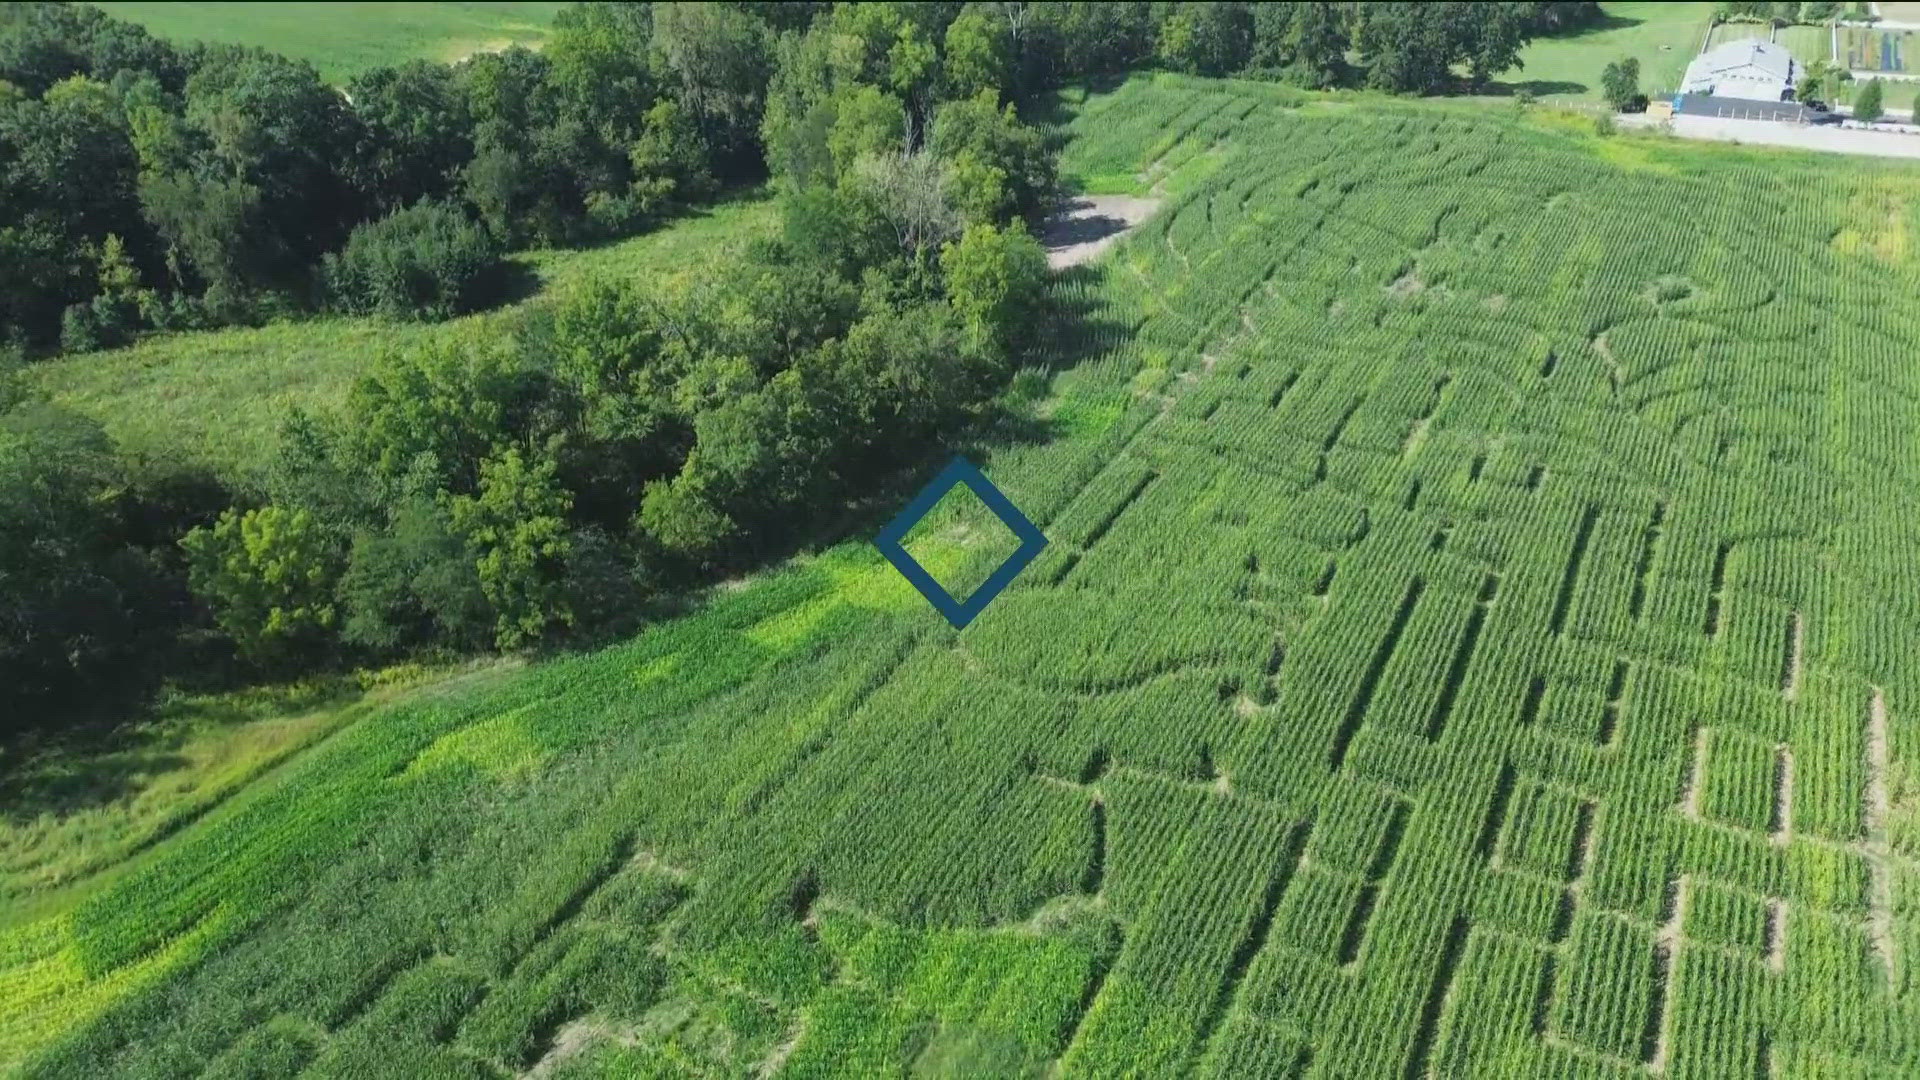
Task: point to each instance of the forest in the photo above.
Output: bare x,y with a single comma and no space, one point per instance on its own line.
623,443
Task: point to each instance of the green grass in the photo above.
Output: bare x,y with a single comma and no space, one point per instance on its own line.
71,811
1807,43
1662,36
1476,637
214,400
342,39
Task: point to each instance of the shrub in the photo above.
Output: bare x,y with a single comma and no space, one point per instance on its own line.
268,575
77,330
424,262
1871,102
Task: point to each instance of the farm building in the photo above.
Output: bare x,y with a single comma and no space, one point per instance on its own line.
1753,70
1733,108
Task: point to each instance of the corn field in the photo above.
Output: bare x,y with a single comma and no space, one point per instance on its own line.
1478,636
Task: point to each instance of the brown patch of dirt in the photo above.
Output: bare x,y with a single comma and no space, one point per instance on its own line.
1783,796
1790,680
779,1055
1615,373
1880,878
647,861
1666,943
574,1037
1690,795
1090,225
1877,801
1776,935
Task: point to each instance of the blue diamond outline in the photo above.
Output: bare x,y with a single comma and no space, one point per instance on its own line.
959,471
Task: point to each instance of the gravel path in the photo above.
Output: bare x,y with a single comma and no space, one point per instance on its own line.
1091,224
1835,140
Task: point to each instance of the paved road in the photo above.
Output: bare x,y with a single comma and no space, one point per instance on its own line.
1835,140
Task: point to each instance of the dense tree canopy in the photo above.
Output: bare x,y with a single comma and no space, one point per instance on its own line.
227,174
625,439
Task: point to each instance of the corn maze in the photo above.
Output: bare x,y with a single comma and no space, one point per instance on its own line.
1477,637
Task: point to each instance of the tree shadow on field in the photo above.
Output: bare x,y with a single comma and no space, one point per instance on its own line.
95,755
59,780
1079,325
1607,22
514,280
1072,227
1536,87
1057,109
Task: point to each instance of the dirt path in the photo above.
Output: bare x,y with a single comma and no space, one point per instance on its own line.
1666,945
1880,881
1090,225
1776,935
1690,795
1782,795
1836,140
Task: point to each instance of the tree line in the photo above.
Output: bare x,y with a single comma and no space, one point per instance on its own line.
227,184
618,443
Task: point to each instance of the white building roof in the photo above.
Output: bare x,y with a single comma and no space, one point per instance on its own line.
1741,65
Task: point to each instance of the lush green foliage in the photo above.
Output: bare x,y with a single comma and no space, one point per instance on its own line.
1474,640
424,262
224,174
269,576
82,592
213,401
1620,84
219,176
1870,102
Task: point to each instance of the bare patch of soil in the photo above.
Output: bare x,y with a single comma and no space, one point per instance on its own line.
1877,800
1615,373
1406,285
574,1037
648,862
1790,676
1090,225
1880,891
1690,795
1776,935
1782,796
771,1066
1666,945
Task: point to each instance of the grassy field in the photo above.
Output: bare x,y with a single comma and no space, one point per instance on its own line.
1807,43
214,400
341,39
1476,638
1663,37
